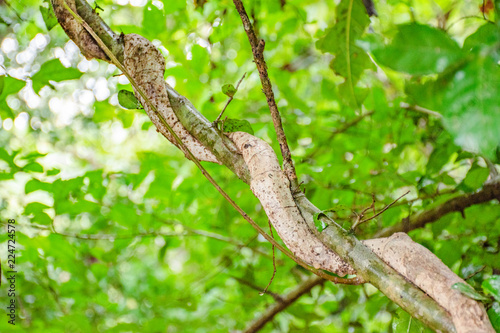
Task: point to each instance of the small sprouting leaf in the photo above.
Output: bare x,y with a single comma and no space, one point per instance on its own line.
237,125
229,90
2,79
128,100
48,15
492,286
469,292
320,225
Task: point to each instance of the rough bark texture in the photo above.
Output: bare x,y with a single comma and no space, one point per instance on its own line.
424,269
147,66
272,187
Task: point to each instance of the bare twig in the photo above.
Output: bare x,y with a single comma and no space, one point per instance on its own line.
274,261
457,204
360,221
342,129
249,284
417,108
258,56
229,100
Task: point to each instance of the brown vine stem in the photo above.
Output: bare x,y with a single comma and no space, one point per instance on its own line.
205,173
267,88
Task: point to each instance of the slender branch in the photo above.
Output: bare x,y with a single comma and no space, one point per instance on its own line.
377,214
342,129
258,56
457,204
417,108
249,284
287,300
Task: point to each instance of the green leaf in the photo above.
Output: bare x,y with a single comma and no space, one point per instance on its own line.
53,172
236,125
53,70
154,22
470,292
418,50
476,177
229,90
494,315
128,100
350,59
9,86
403,322
320,225
471,106
492,286
48,15
33,166
173,6
35,185
483,38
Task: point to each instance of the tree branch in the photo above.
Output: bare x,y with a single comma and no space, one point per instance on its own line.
457,204
287,300
258,56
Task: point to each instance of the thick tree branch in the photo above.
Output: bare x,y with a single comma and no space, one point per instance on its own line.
258,56
296,228
457,204
287,300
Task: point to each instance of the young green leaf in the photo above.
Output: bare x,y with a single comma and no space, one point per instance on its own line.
229,90
492,286
237,125
320,225
469,292
128,100
48,15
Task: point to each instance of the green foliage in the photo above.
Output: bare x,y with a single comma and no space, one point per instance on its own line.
48,15
492,286
53,70
128,100
418,50
229,90
237,125
405,323
118,231
469,292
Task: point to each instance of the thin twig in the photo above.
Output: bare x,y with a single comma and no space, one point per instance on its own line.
288,300
274,261
258,56
229,100
342,129
249,284
417,108
359,221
